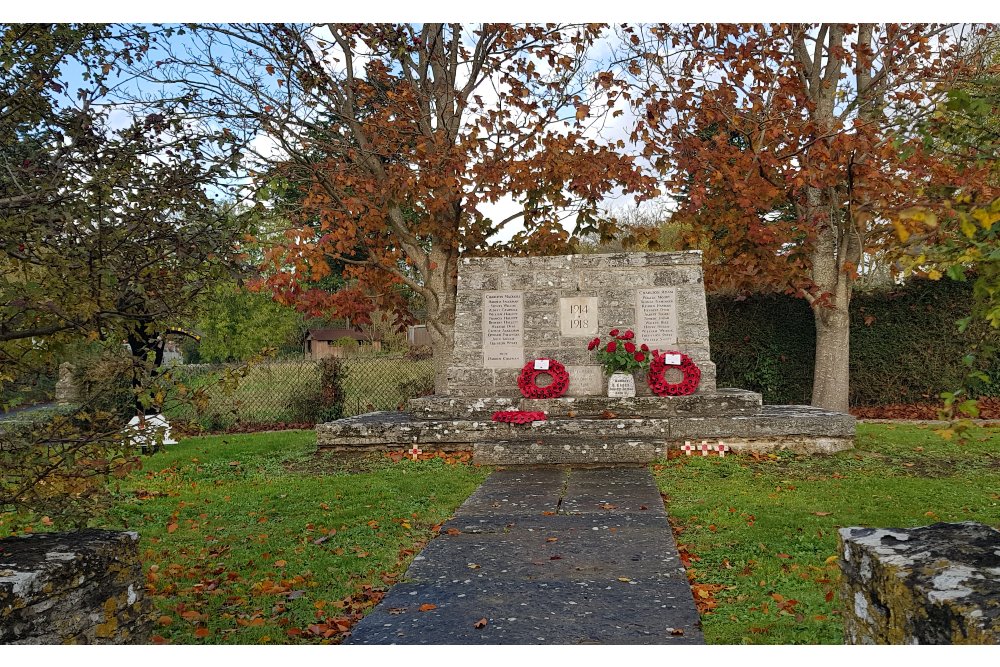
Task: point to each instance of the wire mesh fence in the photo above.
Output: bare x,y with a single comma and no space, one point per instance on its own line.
299,393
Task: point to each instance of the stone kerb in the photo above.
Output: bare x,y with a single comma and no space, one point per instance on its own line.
936,584
83,587
541,282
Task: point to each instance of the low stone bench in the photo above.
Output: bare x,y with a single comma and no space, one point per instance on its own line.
937,584
84,587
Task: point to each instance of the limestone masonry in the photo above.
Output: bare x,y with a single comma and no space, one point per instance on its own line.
936,584
513,310
84,587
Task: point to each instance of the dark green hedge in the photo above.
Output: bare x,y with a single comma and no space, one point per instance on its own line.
905,345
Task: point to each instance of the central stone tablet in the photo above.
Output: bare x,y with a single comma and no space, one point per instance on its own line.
513,310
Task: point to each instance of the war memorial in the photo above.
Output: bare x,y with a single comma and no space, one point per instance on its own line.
515,315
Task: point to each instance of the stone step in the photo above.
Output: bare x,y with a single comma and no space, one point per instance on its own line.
719,403
800,428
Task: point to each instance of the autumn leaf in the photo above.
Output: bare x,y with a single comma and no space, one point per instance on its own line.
480,624
822,513
427,606
202,632
164,620
782,555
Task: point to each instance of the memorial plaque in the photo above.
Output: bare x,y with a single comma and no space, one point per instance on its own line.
656,317
585,381
503,329
621,385
578,316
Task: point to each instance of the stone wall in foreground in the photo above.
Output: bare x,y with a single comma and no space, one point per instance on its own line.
84,587
937,584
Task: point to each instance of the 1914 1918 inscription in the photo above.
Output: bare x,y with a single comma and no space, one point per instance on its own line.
503,329
656,316
578,315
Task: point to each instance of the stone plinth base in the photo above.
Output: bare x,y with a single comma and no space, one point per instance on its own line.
719,403
85,587
618,440
937,584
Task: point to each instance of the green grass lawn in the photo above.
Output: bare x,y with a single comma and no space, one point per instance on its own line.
252,539
240,549
764,532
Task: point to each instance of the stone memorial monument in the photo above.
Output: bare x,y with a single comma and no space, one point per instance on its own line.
512,311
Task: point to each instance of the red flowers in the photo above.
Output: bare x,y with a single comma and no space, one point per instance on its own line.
526,380
517,416
621,354
660,387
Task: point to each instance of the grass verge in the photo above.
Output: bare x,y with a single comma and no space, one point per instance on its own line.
237,548
760,533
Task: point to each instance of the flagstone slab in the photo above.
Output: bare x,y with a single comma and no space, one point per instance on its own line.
533,612
546,555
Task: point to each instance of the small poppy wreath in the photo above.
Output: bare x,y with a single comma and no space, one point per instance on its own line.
518,416
558,387
660,387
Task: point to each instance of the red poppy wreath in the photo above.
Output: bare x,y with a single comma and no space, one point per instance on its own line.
518,416
659,385
529,374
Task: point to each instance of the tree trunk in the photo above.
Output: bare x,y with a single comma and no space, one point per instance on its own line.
831,376
831,309
440,293
443,344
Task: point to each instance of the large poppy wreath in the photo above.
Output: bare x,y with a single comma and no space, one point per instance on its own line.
660,387
526,380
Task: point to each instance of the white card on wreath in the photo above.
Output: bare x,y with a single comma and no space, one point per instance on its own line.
672,359
543,364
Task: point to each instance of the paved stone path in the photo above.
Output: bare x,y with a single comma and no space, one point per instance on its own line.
547,555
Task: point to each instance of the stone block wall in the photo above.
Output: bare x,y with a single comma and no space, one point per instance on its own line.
937,584
84,587
612,278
